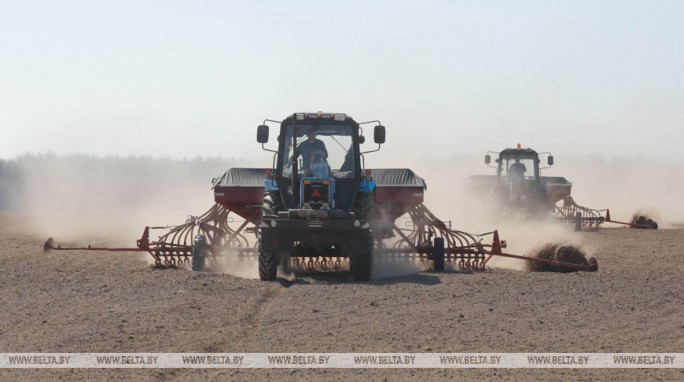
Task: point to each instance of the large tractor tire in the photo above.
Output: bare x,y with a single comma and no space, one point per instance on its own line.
268,265
199,253
364,206
361,263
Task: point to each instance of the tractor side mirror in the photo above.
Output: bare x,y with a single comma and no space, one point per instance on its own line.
362,139
262,133
550,160
488,158
379,134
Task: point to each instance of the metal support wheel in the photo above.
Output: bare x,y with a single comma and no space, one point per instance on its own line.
198,253
438,254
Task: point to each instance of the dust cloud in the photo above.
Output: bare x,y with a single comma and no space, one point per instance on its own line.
385,267
76,197
626,185
233,265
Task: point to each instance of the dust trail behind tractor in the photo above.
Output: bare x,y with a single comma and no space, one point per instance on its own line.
519,187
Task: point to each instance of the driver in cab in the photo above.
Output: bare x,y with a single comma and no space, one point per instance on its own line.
312,150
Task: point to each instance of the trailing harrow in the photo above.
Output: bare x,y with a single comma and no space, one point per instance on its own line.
588,219
424,239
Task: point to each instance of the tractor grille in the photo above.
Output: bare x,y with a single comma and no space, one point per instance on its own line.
316,194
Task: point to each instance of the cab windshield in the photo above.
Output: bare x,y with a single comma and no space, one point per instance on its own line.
323,150
521,168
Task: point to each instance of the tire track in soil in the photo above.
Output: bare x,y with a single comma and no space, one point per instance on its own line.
251,327
252,324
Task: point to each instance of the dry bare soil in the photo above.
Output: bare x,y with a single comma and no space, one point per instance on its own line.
114,302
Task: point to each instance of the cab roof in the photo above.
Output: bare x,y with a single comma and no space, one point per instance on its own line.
519,153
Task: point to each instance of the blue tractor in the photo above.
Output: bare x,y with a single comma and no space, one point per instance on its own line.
318,201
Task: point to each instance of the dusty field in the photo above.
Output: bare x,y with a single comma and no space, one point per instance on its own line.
107,302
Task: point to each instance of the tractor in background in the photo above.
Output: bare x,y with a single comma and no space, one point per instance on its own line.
518,187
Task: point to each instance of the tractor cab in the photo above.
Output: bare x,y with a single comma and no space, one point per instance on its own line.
522,164
518,173
318,164
518,164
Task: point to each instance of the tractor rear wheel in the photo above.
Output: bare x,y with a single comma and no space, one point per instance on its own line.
198,253
360,265
364,206
268,265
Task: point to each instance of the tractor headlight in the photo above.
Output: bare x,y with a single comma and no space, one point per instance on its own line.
357,224
273,223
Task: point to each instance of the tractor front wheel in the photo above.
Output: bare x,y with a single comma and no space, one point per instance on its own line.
268,265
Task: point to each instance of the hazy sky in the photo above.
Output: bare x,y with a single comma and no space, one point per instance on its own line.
188,78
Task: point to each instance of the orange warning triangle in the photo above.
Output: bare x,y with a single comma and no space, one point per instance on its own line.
315,193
